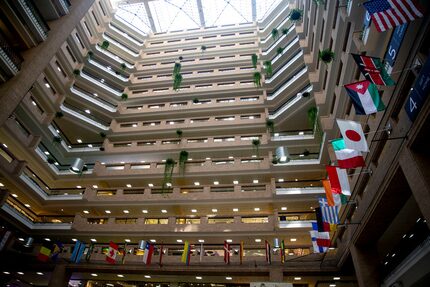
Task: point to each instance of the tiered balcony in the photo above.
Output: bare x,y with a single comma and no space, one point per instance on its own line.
10,61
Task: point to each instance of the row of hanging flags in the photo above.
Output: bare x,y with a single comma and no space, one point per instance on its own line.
365,97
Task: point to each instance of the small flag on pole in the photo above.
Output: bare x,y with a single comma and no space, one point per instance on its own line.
339,181
44,254
373,69
387,14
347,158
186,253
202,251
161,254
226,252
124,253
241,250
89,252
112,252
268,253
149,251
282,251
78,251
57,248
353,135
365,97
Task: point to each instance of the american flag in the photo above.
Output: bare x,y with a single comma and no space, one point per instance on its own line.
387,14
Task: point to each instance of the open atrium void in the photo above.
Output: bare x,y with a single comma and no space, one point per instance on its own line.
214,143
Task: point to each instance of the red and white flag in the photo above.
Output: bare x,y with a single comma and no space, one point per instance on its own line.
112,252
226,252
353,135
149,251
339,181
268,253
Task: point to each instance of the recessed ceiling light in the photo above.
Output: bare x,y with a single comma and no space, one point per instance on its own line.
5,145
94,274
293,239
21,239
255,181
147,276
93,240
235,182
164,211
296,179
126,211
95,186
153,240
201,240
297,278
5,272
179,240
90,145
120,275
214,210
15,195
78,186
39,273
230,157
20,273
257,240
79,140
128,185
86,211
336,278
281,180
229,240
208,158
194,210
144,211
47,239
169,184
332,285
88,111
190,159
283,208
47,152
216,182
196,183
27,205
1,184
257,209
127,240
47,85
74,239
228,278
150,185
107,211
199,277
235,209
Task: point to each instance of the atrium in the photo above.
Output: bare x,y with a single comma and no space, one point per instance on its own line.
214,143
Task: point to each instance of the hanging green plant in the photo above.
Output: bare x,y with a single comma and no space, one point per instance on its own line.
296,15
312,116
180,58
76,72
319,2
306,152
256,144
285,31
270,125
50,160
102,134
124,97
57,140
203,47
123,66
176,69
268,68
183,157
257,79
168,171
195,101
177,80
280,50
254,59
275,160
90,54
104,45
306,94
179,133
326,55
59,114
275,34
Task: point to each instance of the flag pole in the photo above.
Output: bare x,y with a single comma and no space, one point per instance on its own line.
406,69
363,171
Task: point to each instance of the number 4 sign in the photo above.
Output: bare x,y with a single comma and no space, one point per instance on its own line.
419,92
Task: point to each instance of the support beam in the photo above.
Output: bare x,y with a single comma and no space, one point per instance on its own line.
150,18
201,14
36,59
254,10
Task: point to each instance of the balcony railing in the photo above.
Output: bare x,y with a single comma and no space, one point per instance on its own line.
9,57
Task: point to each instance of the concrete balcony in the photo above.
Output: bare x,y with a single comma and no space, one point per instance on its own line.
188,123
244,141
21,134
239,165
131,196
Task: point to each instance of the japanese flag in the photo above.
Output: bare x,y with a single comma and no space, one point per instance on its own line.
353,135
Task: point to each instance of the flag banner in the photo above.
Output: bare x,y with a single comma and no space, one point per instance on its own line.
149,251
387,14
161,254
202,251
322,201
339,182
332,198
321,225
112,252
78,252
353,135
226,252
373,70
44,254
124,254
268,253
57,248
347,158
282,251
317,248
330,214
186,253
241,250
365,97
89,252
5,238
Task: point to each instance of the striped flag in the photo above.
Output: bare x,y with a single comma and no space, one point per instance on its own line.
339,181
268,253
315,236
387,14
241,250
226,252
44,254
161,254
149,251
186,253
373,69
346,157
365,97
322,238
282,251
78,251
331,197
202,251
322,226
330,214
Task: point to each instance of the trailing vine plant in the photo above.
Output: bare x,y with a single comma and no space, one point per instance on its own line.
168,172
183,157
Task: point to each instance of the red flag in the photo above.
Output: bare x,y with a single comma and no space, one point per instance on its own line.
268,254
226,252
111,255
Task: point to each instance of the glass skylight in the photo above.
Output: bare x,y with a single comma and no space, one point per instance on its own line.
157,16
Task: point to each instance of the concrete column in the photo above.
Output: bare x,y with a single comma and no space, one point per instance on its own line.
366,265
60,276
276,274
36,59
417,182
